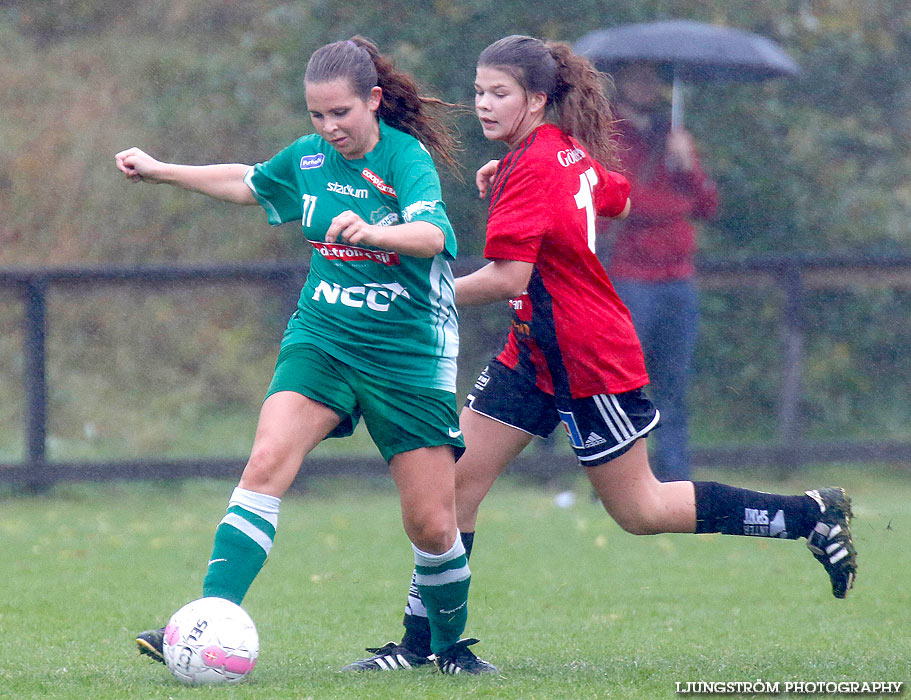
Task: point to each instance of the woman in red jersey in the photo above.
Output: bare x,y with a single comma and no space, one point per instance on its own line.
572,354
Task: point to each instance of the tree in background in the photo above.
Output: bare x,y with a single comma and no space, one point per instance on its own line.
815,163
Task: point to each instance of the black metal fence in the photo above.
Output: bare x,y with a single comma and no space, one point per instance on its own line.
793,275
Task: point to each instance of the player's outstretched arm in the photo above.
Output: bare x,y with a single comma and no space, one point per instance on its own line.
224,181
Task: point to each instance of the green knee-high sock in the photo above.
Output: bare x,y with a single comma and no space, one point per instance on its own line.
243,539
417,626
443,580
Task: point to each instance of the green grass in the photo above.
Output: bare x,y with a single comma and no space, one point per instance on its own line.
566,604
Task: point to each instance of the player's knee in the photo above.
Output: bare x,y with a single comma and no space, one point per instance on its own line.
636,521
261,468
434,534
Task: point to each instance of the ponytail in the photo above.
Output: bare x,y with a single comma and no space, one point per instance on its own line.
576,91
581,106
402,105
405,108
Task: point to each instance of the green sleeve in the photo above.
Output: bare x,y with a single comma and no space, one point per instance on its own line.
417,185
276,187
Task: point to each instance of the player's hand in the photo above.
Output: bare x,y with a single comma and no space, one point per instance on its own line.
626,208
484,177
681,151
348,227
138,166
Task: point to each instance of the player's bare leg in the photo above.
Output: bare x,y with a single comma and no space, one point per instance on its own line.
643,505
290,425
475,473
426,481
490,447
639,502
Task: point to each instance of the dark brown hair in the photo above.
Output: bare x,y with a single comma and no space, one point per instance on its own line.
575,89
402,106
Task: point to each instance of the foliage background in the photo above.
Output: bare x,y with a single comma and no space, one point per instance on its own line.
814,164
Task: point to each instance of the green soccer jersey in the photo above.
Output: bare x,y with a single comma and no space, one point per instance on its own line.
387,314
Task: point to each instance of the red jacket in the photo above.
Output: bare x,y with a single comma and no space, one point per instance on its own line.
657,241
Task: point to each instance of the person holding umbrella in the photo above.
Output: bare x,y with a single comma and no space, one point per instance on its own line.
651,261
571,354
649,256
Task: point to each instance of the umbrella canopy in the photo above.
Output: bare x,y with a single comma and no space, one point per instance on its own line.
688,51
692,50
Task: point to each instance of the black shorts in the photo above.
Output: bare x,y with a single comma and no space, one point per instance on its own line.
600,428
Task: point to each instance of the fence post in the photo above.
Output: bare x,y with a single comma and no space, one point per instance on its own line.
34,353
789,419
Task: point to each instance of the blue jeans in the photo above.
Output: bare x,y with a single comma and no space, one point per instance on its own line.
666,316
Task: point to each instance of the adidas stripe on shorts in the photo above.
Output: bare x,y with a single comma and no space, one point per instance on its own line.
600,428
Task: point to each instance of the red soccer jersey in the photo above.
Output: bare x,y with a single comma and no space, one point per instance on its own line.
570,331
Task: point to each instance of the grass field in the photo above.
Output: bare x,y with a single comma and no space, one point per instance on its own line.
566,604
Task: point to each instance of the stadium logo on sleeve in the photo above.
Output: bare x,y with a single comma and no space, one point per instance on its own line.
312,161
377,182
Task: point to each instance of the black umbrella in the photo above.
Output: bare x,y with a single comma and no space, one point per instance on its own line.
689,51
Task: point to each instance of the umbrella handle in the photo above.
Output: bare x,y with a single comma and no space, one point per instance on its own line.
676,103
676,117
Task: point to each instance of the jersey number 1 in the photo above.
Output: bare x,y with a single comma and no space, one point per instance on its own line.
584,200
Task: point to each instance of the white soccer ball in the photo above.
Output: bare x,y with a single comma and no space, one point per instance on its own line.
210,641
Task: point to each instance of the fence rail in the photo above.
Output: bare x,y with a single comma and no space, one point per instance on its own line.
792,274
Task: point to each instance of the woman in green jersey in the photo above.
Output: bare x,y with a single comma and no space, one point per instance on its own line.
375,332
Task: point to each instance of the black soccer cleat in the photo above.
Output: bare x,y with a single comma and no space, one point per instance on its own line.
389,657
830,541
151,643
459,659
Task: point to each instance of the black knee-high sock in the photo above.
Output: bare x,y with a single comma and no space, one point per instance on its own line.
735,511
417,625
467,542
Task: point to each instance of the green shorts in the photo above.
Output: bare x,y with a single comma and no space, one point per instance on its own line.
398,418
